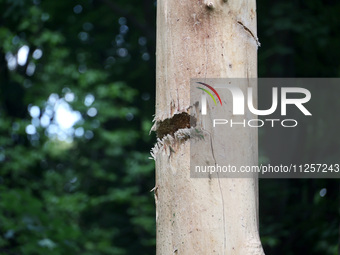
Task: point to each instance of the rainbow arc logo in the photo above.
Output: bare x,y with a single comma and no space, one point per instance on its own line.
204,98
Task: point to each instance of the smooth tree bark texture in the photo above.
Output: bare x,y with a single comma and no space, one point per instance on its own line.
200,39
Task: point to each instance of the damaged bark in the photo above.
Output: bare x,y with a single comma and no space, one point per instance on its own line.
170,126
250,32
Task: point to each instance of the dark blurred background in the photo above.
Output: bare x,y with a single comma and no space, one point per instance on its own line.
77,95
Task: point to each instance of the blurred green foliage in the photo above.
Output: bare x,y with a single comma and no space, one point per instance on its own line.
301,39
85,189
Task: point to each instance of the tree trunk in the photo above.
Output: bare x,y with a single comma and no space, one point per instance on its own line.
198,39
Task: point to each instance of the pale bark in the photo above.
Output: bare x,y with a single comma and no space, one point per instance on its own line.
197,39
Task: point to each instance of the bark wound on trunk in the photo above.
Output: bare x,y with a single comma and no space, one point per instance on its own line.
170,126
202,39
